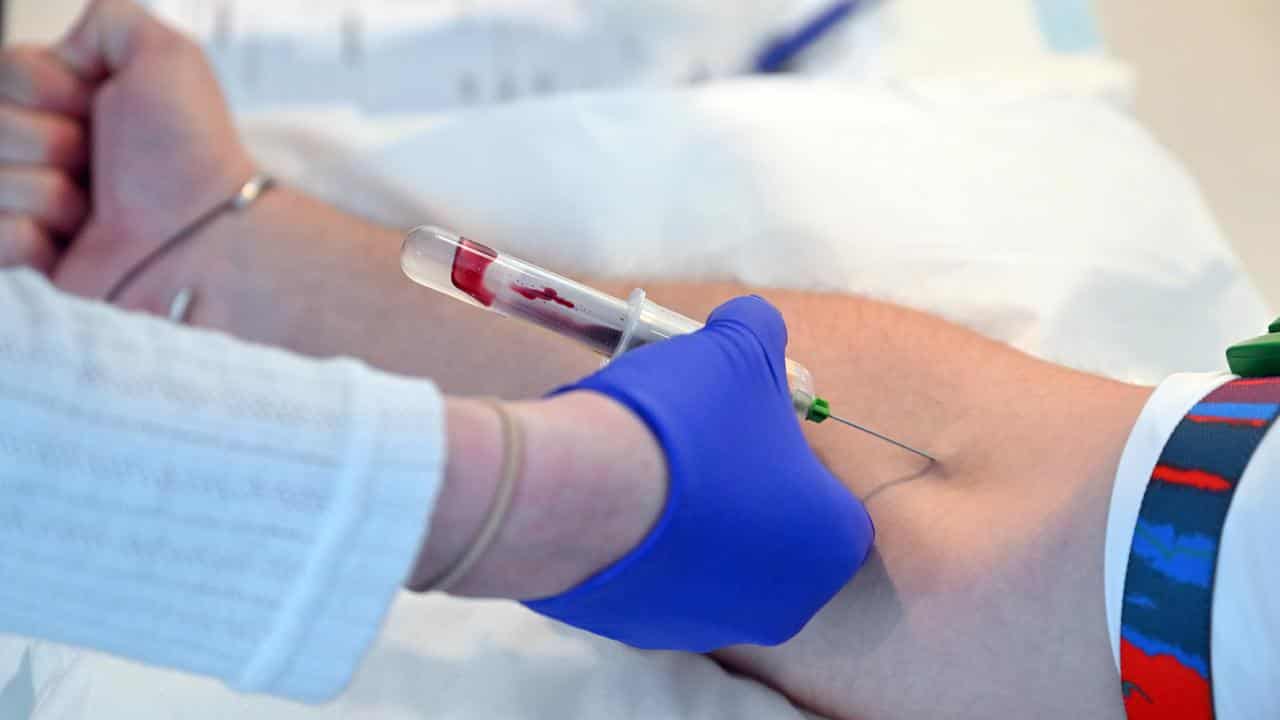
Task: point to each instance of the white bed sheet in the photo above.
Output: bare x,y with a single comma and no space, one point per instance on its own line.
1058,226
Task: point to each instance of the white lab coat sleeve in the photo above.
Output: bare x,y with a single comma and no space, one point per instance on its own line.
184,499
1245,640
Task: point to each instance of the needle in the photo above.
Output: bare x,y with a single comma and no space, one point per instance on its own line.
885,438
817,410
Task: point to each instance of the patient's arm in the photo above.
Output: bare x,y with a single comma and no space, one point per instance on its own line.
985,596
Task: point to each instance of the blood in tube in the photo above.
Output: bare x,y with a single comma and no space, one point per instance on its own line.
470,262
602,338
548,294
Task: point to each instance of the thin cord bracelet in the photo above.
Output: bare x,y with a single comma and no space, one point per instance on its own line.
180,306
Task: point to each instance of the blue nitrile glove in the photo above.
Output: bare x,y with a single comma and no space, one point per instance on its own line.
756,535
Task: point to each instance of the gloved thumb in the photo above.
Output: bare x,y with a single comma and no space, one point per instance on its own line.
110,35
757,316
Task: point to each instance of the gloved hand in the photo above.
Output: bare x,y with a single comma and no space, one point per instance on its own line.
756,535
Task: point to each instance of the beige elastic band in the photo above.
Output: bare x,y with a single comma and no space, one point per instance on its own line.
512,462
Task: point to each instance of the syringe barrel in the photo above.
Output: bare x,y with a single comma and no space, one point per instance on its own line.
483,277
659,323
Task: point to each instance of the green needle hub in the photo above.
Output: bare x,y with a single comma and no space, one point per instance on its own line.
820,410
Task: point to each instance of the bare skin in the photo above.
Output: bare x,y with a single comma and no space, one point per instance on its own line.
984,597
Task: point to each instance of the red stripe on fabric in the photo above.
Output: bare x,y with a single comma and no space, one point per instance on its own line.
1258,390
1214,419
1160,687
1198,479
1257,381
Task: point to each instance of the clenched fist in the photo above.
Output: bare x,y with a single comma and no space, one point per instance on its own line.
110,142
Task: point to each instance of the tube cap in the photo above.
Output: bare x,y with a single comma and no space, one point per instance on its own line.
1257,357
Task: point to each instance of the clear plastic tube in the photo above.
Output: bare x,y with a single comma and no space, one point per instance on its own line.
481,276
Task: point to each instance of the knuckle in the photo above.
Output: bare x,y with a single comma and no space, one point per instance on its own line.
14,192
30,139
46,194
68,147
15,230
39,189
21,242
66,203
16,81
14,135
57,185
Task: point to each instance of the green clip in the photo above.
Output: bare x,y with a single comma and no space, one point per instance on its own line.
1259,357
820,410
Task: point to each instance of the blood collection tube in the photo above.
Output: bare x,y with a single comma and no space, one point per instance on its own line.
481,276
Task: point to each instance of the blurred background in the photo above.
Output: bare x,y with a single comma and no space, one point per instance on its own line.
1204,78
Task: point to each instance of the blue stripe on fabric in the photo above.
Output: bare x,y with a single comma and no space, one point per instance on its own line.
1185,557
1236,411
1223,450
1068,26
1152,646
1160,598
1190,510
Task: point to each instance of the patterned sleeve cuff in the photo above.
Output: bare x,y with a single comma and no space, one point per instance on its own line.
1163,411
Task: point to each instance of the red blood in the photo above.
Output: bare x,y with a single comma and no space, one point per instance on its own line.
549,294
470,261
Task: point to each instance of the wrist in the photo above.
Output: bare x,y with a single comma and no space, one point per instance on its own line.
598,485
257,272
592,483
211,262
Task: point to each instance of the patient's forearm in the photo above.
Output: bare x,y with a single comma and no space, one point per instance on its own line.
294,272
984,597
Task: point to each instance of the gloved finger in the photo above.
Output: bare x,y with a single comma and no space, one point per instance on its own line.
110,34
29,137
25,243
48,196
759,316
34,78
